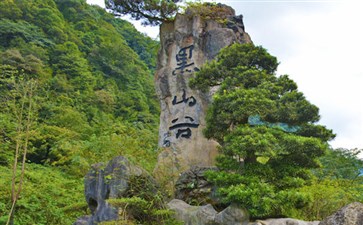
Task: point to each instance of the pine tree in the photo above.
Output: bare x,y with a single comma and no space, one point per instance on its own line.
266,128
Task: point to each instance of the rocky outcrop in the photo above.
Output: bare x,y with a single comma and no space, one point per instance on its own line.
193,187
207,215
186,44
283,221
351,214
115,180
232,215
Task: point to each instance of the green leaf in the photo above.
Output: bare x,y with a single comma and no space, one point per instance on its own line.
262,160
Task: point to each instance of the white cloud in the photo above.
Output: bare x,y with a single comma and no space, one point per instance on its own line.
97,2
326,64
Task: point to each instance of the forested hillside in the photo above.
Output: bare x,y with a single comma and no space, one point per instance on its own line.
76,88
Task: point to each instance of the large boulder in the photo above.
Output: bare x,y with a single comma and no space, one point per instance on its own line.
232,215
193,215
117,179
207,215
186,44
351,214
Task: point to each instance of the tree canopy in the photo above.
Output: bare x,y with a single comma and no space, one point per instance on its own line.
266,127
151,12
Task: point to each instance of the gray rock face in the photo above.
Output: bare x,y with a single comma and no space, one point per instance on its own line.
284,221
84,220
207,215
232,215
186,44
193,187
103,182
351,214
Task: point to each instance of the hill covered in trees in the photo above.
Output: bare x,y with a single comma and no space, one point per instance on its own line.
76,88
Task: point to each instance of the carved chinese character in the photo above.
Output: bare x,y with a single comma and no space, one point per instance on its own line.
192,101
185,133
182,59
183,129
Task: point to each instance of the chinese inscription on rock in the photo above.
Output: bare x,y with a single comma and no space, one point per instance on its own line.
184,61
182,127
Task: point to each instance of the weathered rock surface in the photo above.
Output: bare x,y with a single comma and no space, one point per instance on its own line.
193,187
207,215
84,220
232,215
284,221
351,214
186,44
111,181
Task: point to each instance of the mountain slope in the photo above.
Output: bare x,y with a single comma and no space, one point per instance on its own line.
94,99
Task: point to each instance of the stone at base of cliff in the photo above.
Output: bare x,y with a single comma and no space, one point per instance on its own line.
284,221
115,180
207,215
351,214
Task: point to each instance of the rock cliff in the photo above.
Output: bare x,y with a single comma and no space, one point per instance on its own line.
186,44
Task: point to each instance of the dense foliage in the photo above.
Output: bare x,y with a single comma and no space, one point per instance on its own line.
50,196
336,183
94,100
269,138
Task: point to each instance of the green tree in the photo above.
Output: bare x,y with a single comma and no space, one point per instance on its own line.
20,102
8,9
337,183
29,64
341,163
151,12
266,128
144,46
30,33
67,59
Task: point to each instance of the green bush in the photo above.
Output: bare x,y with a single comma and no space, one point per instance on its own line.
327,196
143,203
49,196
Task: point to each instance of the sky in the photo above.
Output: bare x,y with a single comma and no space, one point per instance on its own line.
319,45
